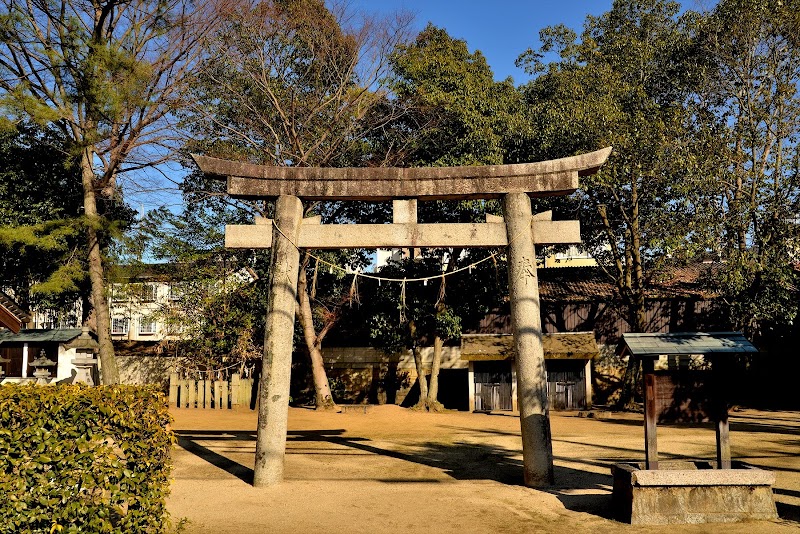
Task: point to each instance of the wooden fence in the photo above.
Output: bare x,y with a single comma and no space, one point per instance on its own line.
210,394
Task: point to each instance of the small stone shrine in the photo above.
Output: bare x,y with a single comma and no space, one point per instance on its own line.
656,492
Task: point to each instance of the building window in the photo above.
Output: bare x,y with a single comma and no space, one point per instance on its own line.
117,294
119,326
147,326
175,292
573,253
148,292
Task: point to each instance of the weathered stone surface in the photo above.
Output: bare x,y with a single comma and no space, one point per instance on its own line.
273,398
559,176
523,290
681,493
404,235
702,477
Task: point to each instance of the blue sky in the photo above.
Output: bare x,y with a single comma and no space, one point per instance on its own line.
500,29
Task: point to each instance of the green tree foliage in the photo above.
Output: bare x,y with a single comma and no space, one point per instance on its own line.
750,92
455,113
213,319
40,203
624,83
106,74
41,221
620,85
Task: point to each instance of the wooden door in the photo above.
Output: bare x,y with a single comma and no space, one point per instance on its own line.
566,384
493,386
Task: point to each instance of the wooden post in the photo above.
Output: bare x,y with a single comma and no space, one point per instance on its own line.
587,377
514,390
184,393
723,442
273,409
235,384
218,394
247,392
192,393
173,390
719,402
471,385
650,416
526,322
207,393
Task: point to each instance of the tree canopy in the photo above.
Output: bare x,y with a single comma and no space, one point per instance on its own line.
107,75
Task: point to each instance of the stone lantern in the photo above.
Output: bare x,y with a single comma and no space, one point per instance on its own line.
85,347
41,364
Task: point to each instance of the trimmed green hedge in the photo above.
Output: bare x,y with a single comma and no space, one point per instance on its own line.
83,459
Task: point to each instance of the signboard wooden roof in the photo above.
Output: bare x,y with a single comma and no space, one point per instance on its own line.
11,315
557,346
707,343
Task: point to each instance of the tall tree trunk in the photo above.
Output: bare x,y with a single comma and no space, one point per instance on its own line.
423,383
432,401
322,389
635,296
110,372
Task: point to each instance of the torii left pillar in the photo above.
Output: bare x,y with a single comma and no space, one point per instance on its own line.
523,290
273,407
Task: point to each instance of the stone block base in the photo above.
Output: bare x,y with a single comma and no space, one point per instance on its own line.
355,408
691,492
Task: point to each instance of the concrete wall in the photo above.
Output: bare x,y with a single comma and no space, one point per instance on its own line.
355,357
365,374
147,369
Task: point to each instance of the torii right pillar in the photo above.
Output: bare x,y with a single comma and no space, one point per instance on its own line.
526,322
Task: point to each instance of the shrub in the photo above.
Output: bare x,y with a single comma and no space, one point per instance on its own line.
83,459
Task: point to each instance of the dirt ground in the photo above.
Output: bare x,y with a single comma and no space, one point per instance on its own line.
396,470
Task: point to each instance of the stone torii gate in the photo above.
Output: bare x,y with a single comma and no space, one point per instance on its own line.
518,229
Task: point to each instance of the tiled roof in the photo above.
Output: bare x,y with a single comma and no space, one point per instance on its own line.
557,346
639,345
170,272
589,283
48,335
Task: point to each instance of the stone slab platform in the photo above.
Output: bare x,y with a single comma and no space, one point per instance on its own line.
691,492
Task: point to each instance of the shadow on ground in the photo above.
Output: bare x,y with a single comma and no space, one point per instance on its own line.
789,512
460,460
580,490
191,441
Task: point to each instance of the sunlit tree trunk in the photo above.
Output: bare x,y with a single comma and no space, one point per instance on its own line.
110,372
322,389
433,391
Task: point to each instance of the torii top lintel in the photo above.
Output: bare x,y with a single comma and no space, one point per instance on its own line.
543,178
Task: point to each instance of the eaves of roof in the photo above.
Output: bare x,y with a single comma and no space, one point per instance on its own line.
48,335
